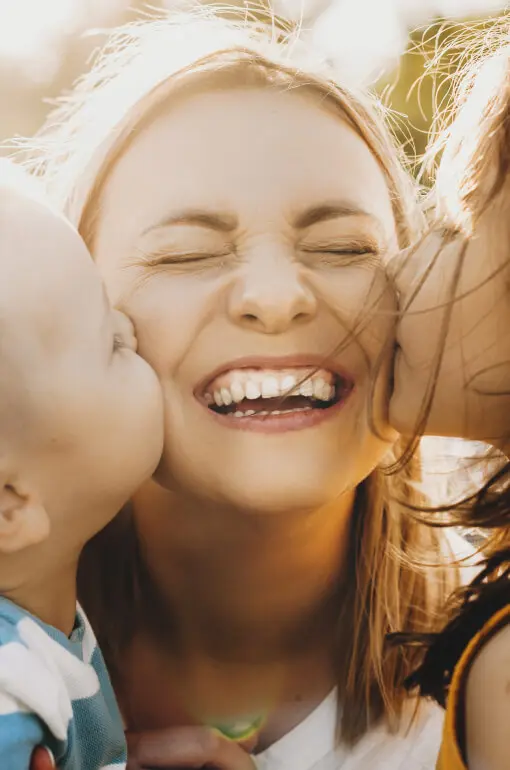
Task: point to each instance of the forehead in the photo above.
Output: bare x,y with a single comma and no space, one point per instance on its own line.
261,153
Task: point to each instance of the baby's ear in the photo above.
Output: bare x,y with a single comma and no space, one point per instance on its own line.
23,520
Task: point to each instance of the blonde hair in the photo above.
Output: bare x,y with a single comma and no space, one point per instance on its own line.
138,70
469,150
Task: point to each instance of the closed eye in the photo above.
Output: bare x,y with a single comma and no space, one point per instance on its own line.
176,259
167,257
344,250
342,255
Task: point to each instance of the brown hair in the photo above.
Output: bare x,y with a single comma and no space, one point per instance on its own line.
140,67
472,150
473,145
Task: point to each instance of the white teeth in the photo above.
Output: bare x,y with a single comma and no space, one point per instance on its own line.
270,387
237,391
252,390
322,391
287,384
328,392
251,412
256,384
306,388
318,388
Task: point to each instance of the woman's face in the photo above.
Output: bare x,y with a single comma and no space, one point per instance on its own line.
244,231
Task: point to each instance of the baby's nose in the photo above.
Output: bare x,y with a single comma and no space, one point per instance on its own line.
125,329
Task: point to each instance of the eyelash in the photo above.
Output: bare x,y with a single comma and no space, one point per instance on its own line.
369,253
366,254
187,258
355,252
174,260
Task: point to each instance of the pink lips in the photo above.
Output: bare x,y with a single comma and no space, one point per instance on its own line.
278,423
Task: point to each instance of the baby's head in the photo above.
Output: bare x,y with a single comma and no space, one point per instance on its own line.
80,411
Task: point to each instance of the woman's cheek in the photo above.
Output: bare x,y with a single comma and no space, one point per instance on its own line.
169,313
363,299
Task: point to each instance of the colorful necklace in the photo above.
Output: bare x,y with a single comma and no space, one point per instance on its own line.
240,729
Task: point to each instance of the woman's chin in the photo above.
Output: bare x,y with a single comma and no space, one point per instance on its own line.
265,489
274,501
270,475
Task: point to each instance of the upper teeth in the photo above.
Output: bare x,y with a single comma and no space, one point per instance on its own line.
237,385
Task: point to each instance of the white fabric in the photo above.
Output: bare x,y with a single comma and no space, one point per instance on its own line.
311,745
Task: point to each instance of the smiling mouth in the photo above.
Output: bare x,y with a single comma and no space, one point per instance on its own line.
266,393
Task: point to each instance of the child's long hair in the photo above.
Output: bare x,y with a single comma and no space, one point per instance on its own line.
472,606
473,174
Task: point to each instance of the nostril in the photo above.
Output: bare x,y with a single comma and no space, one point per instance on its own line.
250,317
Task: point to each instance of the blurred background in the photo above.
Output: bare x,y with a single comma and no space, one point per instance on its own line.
388,44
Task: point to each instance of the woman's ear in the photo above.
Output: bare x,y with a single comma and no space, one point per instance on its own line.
23,520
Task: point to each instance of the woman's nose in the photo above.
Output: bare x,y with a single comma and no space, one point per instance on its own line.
271,296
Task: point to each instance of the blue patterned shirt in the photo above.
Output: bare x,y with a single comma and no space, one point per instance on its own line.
55,691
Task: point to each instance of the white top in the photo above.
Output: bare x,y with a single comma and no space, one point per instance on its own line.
311,744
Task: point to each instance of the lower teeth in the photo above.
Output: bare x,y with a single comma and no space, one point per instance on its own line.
251,412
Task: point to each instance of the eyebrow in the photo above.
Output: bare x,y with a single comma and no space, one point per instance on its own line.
221,222
224,222
328,211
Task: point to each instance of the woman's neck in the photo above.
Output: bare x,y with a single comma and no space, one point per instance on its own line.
242,586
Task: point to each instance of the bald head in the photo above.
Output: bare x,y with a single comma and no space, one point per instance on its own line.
51,298
80,413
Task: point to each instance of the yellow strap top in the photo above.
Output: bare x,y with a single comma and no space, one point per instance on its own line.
450,755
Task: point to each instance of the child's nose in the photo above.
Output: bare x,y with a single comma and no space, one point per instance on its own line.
125,329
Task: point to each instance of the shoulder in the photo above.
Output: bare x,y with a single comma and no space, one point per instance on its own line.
11,615
31,692
91,653
420,742
492,662
414,745
21,648
487,705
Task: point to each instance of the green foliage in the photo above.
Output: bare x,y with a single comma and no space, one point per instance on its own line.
420,93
